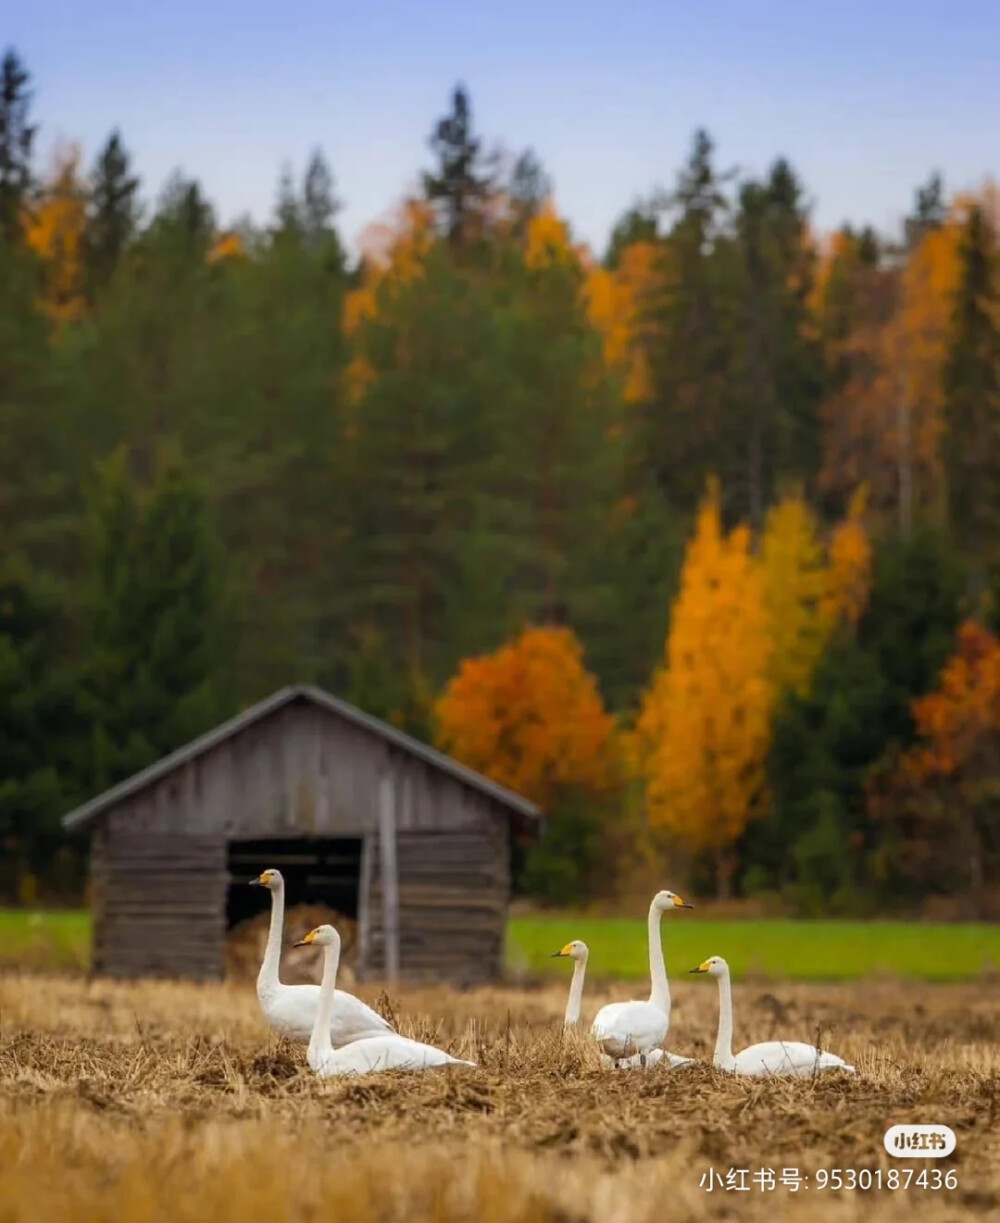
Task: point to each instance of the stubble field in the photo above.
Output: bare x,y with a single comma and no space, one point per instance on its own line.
158,1102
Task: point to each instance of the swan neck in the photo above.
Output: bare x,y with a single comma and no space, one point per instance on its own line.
660,994
573,1003
724,1041
320,1045
268,976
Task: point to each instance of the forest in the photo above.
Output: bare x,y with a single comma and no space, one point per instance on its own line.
694,541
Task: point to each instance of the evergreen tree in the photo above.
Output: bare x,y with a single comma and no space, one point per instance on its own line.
113,213
155,667
461,183
930,210
17,136
817,843
39,735
682,425
639,224
781,359
972,399
528,189
185,221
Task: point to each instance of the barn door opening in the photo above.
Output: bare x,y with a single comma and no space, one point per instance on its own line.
322,883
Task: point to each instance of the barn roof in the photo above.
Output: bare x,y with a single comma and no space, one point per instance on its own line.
308,692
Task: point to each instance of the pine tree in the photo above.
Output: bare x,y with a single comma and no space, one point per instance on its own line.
156,659
930,211
17,136
113,212
972,398
781,360
681,422
816,841
184,220
38,731
640,223
461,183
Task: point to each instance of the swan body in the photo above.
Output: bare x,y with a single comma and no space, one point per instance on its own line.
771,1057
367,1054
291,1009
629,1032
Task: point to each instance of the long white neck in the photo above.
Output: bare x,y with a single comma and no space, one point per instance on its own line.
320,1045
660,993
575,993
724,1040
267,978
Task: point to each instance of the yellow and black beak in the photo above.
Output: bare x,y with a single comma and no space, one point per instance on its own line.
307,941
681,904
700,968
567,950
258,881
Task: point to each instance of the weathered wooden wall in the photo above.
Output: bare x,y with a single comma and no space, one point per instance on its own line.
302,771
159,905
159,856
453,898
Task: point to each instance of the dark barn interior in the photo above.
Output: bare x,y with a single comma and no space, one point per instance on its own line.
320,871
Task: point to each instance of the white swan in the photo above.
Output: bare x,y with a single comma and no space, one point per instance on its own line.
629,1032
387,1052
291,1009
771,1057
579,952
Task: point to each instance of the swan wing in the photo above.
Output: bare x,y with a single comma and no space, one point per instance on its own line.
291,1010
372,1054
625,1028
786,1057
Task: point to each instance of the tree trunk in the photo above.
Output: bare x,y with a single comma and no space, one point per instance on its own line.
725,869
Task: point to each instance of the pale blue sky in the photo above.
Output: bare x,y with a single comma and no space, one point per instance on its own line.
864,98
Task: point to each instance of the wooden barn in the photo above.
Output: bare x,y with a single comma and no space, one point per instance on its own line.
355,814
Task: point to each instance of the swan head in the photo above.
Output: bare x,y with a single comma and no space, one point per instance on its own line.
270,879
669,900
715,966
322,936
576,950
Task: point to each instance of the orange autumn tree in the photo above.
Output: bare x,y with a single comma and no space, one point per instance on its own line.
703,730
530,717
56,230
944,794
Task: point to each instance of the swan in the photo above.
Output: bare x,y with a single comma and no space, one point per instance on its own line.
371,1053
579,952
771,1057
627,1031
291,1009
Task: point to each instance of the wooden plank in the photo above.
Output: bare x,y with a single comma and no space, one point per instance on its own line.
364,908
388,874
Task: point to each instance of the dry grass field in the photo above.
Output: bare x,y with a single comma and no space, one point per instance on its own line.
169,1103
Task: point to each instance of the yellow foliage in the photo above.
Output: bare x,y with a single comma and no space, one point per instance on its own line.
615,308
849,575
395,255
227,246
703,731
56,230
530,716
795,593
547,242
